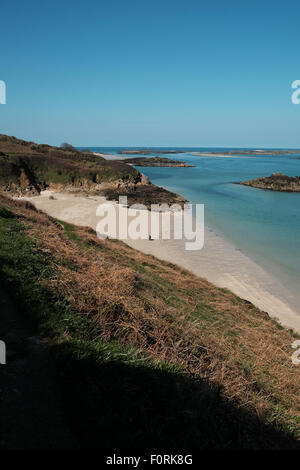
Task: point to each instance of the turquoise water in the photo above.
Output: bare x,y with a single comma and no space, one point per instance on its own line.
263,224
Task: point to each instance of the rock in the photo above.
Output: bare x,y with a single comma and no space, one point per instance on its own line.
144,179
276,182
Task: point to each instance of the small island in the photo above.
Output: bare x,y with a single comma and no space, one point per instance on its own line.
156,161
276,182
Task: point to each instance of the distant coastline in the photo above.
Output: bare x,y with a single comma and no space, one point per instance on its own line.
248,152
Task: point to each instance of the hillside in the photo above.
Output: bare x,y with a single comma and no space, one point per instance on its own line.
27,168
113,349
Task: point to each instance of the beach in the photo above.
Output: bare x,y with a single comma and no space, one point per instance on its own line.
220,155
219,261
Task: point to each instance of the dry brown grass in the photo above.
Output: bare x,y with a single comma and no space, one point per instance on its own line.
173,316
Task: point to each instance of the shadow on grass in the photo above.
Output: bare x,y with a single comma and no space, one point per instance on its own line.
109,397
115,405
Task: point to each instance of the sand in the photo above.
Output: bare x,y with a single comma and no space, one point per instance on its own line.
219,261
108,156
220,155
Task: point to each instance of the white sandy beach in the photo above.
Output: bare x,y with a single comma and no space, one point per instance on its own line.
219,261
219,155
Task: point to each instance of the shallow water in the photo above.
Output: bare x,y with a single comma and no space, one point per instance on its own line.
263,224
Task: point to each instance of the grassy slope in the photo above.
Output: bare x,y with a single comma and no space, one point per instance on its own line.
26,166
48,164
146,354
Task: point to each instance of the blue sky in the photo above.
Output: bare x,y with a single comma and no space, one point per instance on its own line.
146,73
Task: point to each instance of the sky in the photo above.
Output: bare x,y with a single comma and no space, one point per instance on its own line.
151,72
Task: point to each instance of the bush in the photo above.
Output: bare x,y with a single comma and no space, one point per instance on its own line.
67,146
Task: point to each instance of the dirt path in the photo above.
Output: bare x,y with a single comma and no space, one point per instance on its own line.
31,415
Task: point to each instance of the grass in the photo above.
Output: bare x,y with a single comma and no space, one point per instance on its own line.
146,354
46,165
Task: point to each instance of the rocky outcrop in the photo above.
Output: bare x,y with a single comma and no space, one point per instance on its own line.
97,186
23,183
145,194
276,182
144,179
156,161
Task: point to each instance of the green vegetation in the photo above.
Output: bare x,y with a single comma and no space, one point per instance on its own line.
25,166
145,354
67,146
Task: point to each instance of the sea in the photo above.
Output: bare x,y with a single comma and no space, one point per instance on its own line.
265,225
